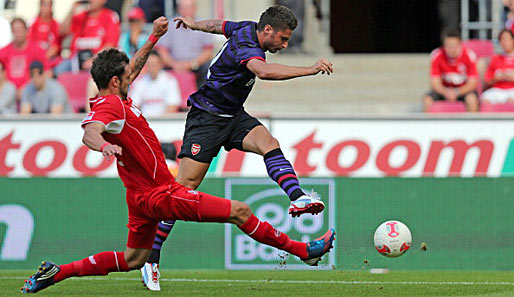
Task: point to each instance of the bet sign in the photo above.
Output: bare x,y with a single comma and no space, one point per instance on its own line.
269,203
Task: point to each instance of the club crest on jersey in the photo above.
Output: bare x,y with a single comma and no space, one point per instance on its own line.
195,149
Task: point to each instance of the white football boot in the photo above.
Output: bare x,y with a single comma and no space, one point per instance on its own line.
309,203
151,275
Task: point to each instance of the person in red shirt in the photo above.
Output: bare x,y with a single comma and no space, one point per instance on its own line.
18,55
93,29
453,73
117,128
45,31
500,73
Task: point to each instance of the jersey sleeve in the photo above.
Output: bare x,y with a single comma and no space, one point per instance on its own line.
472,65
435,69
229,27
108,111
77,21
245,54
491,69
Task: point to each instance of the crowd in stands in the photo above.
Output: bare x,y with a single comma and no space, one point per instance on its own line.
44,68
36,77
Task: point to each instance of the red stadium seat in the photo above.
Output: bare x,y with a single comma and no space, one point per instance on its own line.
506,107
76,87
187,83
444,106
482,48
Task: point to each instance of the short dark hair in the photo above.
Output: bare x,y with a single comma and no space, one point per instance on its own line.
505,31
278,17
108,64
18,19
450,32
154,53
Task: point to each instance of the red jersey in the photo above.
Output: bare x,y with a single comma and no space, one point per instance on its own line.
93,33
45,33
17,61
453,72
142,165
500,64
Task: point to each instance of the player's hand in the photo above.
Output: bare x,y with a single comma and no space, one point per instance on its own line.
186,22
111,150
324,66
160,27
451,95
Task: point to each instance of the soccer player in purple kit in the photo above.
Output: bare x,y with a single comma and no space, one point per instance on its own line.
217,117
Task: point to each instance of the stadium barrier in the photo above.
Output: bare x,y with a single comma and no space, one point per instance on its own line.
465,222
60,201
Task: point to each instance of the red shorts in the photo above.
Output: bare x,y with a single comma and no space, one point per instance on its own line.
170,202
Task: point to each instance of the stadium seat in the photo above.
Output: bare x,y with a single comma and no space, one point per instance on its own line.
482,48
75,85
444,106
506,107
187,83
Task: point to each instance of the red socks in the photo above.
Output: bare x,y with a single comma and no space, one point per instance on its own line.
265,233
99,264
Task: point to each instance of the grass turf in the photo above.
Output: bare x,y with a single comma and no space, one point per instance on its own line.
278,283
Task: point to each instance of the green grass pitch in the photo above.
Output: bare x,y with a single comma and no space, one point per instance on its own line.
278,283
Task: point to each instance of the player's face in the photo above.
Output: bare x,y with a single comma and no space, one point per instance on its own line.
124,82
46,8
452,47
96,4
507,42
279,40
154,66
19,32
37,78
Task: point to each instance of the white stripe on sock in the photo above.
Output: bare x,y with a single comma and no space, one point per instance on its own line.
258,223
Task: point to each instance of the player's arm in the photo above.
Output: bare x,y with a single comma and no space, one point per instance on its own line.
273,71
209,26
160,27
469,86
93,139
436,83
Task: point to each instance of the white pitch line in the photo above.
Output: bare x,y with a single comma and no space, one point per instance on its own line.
194,280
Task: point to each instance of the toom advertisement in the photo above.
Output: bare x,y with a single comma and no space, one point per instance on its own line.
317,148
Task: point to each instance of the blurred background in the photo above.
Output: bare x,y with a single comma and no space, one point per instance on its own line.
415,124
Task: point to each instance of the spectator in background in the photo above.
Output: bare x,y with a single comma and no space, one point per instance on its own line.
7,93
453,73
134,38
43,94
156,93
187,50
93,30
45,31
509,15
500,73
18,55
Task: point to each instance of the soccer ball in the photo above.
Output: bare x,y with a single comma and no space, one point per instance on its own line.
392,239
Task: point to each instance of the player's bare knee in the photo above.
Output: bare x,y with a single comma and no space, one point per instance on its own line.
270,144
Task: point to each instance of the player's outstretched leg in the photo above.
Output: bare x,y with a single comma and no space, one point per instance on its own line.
310,252
100,264
150,271
281,171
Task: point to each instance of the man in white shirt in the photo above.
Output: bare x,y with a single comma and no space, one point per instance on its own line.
157,92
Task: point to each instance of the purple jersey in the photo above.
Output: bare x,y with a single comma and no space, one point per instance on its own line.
229,82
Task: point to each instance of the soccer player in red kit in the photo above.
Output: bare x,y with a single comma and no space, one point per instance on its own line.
117,128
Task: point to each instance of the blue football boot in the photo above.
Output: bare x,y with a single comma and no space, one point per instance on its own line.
317,248
43,278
